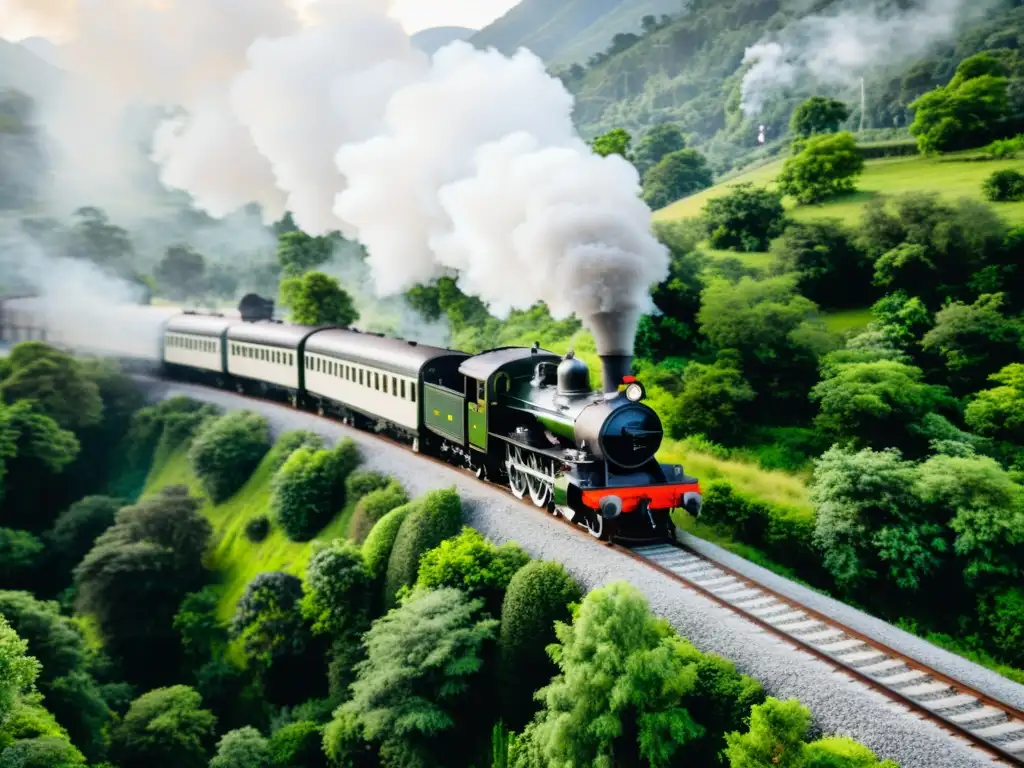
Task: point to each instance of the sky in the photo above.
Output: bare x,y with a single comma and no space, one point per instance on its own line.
475,14
414,15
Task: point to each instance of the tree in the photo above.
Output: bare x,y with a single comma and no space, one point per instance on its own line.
421,660
298,745
746,219
964,113
657,143
298,253
20,554
181,270
242,748
471,563
78,527
56,381
874,403
225,452
832,269
18,670
316,299
869,522
381,540
818,115
676,175
434,518
93,237
671,332
373,506
268,620
309,489
41,752
203,636
614,142
165,728
775,737
712,401
824,167
137,573
618,666
538,595
999,412
975,341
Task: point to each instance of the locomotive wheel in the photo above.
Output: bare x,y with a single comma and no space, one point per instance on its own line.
541,491
516,478
597,526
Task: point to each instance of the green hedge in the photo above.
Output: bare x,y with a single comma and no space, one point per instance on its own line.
372,507
900,148
378,545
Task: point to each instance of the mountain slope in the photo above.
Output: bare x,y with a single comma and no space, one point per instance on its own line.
569,31
24,71
435,38
690,71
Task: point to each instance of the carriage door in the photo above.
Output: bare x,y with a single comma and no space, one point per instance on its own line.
476,406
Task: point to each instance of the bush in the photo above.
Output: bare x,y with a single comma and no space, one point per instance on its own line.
298,745
1006,186
435,518
876,150
676,175
227,450
746,219
257,529
362,482
42,752
1004,149
289,442
824,167
538,595
78,527
473,564
241,748
19,554
310,488
373,506
832,269
381,540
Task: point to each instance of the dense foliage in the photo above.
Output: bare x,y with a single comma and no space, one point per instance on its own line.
822,167
747,219
309,488
227,450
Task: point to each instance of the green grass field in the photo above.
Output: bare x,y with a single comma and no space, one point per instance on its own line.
233,556
952,176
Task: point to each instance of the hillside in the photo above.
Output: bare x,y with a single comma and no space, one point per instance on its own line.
691,71
435,38
571,31
952,176
25,71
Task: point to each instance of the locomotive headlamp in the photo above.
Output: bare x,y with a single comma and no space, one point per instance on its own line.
635,392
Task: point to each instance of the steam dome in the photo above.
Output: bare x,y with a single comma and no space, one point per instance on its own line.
573,376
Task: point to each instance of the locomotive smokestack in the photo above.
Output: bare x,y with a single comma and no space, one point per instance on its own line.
613,335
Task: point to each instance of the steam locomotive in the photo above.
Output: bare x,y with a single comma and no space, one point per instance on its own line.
519,416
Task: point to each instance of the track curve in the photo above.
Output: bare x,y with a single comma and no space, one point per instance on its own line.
967,716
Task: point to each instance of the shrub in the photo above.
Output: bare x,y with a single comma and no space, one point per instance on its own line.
78,527
1005,148
746,219
675,176
473,564
241,748
289,442
257,529
435,518
900,148
1004,186
19,554
373,506
538,595
826,166
833,271
298,745
362,482
381,540
42,752
310,488
227,450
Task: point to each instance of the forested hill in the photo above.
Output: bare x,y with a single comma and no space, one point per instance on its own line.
430,40
24,71
690,71
573,30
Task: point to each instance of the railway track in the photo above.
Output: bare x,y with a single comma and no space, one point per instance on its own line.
986,723
982,721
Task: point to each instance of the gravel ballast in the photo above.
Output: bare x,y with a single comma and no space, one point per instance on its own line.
840,704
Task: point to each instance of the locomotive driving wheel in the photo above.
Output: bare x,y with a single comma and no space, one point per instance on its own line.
541,491
517,481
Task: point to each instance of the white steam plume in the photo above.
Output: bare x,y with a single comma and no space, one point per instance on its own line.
468,160
837,48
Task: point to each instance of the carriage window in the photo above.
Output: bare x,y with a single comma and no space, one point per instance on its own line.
376,381
385,385
360,377
394,385
403,389
412,391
